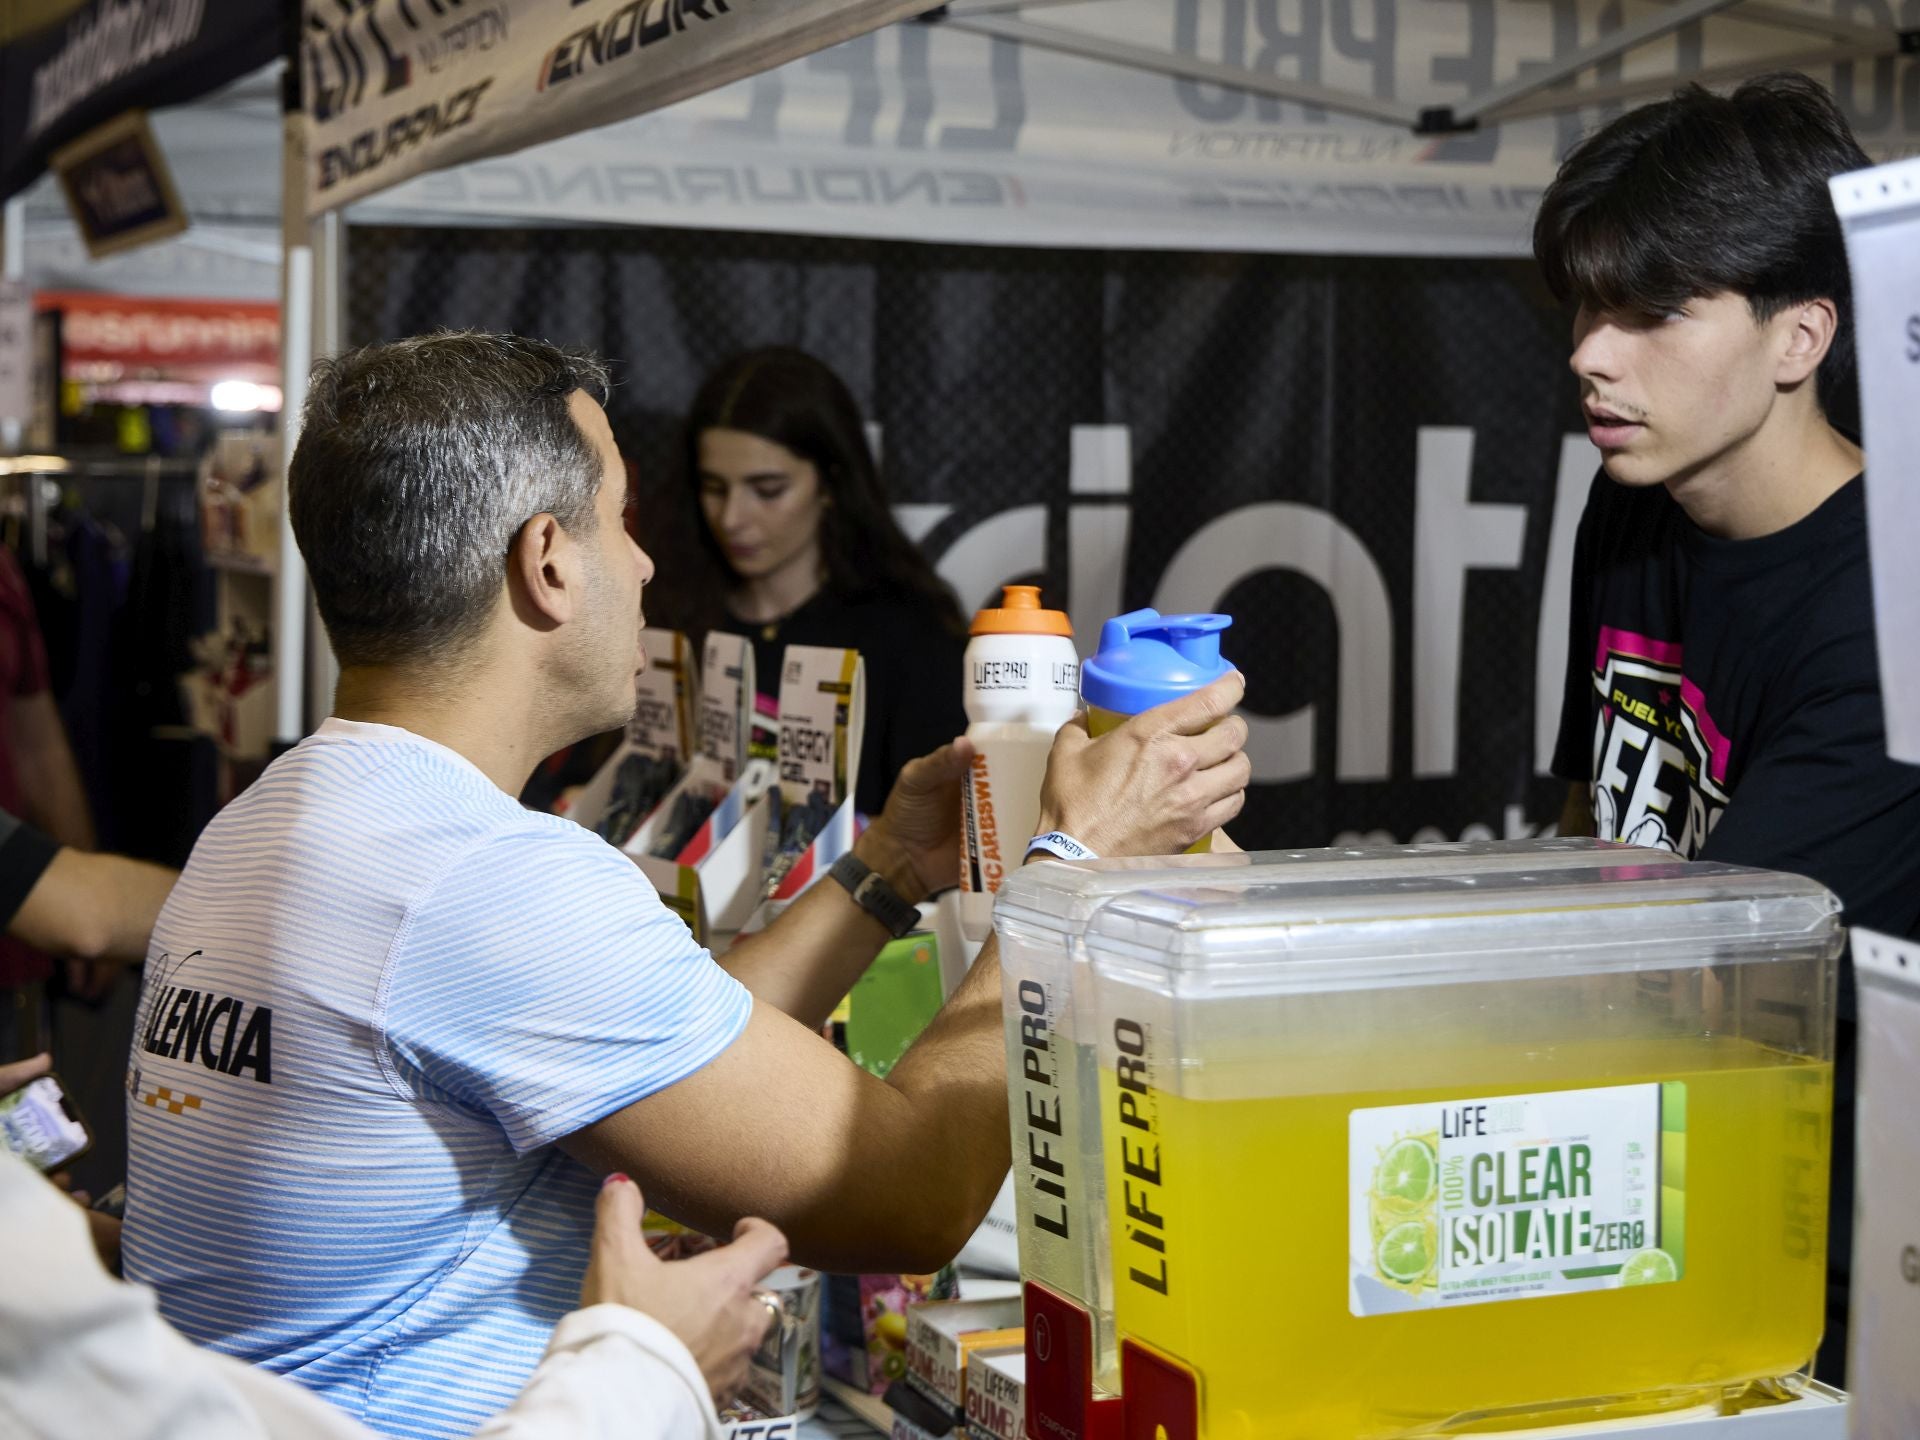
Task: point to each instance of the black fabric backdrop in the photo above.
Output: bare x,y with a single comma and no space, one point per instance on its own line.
1244,379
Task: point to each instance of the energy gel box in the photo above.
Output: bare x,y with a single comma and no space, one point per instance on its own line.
656,750
703,845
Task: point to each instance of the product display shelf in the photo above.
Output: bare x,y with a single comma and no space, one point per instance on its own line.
1819,1414
846,1411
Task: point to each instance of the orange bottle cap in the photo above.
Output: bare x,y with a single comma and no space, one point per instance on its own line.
1020,614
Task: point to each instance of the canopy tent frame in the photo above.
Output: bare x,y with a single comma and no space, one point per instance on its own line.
316,244
1525,97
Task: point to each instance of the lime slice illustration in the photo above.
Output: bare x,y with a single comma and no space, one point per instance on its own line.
1407,1174
1649,1267
1405,1253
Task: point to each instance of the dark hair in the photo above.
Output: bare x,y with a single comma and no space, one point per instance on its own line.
1706,193
789,397
418,463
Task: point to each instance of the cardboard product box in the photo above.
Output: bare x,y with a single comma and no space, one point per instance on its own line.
1883,1340
783,1378
657,750
915,1417
905,1427
234,704
671,1240
743,1422
704,845
943,1337
864,1324
240,502
997,1395
823,706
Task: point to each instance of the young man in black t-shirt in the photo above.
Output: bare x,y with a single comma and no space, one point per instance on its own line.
1723,689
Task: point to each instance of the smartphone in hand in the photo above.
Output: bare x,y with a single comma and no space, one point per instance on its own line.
38,1123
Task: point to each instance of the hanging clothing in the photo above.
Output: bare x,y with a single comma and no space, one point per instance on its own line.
23,673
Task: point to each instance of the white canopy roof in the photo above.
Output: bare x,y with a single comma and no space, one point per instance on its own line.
1239,125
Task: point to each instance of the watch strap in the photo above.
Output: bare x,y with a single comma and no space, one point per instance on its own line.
872,893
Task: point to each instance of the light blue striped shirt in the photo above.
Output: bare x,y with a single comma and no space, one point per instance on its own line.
379,993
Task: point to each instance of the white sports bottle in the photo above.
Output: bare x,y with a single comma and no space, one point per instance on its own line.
1023,684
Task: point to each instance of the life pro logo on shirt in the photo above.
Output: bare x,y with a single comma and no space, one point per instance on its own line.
221,1032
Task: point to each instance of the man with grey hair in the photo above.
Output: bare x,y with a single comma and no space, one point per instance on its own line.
396,1026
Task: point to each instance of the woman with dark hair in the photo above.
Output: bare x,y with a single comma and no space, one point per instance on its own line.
800,548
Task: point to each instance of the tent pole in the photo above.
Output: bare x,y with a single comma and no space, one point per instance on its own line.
1493,105
328,235
311,325
13,266
1159,62
290,579
13,240
296,359
311,328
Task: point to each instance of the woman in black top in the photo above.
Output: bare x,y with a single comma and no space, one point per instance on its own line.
800,548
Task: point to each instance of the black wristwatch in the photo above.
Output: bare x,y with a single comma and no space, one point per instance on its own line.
874,895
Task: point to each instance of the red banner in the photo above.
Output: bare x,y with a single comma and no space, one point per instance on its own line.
169,339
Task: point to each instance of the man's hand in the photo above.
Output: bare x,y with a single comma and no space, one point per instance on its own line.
916,841
1157,784
708,1301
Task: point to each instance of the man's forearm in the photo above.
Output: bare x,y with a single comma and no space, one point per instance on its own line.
954,1080
861,1174
942,1143
95,907
955,1077
138,890
805,962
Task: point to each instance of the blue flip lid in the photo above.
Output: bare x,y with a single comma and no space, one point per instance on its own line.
1146,659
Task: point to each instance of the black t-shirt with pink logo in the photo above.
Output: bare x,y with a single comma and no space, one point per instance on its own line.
1723,698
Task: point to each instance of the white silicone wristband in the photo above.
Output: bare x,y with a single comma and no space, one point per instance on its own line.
1058,842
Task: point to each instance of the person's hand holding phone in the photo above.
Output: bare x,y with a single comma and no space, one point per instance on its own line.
15,1077
37,1121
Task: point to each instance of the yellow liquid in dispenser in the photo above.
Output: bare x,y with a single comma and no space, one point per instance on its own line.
1256,1211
